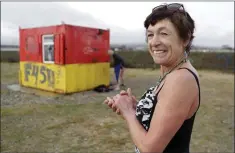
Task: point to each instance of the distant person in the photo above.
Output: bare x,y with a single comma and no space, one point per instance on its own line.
50,54
118,64
162,120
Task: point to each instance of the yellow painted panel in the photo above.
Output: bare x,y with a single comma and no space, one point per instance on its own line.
64,78
48,77
80,77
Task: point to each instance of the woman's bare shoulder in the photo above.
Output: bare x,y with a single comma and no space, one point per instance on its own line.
179,84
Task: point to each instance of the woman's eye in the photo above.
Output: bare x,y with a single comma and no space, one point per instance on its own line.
150,35
163,33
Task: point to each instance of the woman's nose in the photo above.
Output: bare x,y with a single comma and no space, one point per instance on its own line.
155,40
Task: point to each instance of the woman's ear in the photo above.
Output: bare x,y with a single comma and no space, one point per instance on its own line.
187,41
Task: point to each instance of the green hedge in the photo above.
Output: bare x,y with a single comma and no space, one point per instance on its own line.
9,56
200,60
140,59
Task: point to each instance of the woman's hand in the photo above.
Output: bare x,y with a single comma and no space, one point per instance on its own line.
111,103
129,93
125,104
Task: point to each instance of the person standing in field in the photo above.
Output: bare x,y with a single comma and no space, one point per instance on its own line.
118,64
162,120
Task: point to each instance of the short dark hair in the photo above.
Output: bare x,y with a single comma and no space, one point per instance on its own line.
181,19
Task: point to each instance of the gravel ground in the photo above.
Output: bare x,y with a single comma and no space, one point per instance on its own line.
31,95
28,96
23,95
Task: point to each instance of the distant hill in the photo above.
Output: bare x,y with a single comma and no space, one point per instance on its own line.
9,46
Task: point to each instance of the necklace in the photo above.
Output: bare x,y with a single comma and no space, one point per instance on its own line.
183,60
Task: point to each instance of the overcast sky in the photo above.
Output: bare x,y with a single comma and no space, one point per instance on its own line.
214,20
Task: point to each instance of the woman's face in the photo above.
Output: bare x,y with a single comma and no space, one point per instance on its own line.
164,44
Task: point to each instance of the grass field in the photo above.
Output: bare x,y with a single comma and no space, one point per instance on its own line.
32,122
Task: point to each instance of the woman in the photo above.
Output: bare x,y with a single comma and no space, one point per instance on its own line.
163,119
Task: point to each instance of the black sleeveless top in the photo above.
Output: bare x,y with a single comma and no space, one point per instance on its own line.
180,143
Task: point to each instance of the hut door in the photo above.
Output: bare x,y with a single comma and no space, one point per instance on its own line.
48,49
59,49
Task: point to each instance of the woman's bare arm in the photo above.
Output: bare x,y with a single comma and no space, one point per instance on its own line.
172,109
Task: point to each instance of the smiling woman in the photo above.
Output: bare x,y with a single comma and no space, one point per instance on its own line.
162,120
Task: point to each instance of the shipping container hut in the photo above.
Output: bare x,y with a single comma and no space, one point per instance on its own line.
64,58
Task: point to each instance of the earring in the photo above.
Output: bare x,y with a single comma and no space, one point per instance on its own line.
185,54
